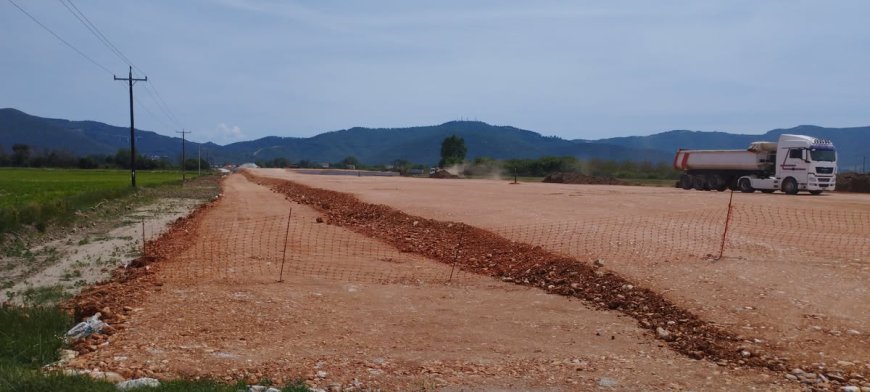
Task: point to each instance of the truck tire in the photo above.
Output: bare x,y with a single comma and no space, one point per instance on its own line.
790,186
686,182
745,186
717,182
699,182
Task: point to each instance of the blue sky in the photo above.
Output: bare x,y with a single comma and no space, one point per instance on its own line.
234,70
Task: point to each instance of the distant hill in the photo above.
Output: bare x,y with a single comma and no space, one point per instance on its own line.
853,144
423,144
416,144
80,137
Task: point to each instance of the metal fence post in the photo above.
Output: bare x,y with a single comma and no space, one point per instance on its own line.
725,231
284,255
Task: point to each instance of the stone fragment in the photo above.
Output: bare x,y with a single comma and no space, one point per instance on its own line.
663,334
607,382
66,355
138,383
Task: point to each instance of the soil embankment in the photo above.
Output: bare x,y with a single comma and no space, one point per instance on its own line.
853,182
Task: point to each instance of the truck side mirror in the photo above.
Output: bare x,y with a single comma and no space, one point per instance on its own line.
805,154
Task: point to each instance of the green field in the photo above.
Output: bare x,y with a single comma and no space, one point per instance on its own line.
41,196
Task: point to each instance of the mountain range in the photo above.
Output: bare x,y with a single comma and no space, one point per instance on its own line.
415,144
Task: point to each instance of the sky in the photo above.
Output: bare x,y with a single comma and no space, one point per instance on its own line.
233,70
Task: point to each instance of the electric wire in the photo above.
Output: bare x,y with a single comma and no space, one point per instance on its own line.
151,90
94,29
105,41
59,38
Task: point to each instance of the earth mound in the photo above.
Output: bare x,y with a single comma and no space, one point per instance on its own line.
853,182
577,178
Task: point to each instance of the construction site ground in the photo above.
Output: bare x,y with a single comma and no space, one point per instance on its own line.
475,332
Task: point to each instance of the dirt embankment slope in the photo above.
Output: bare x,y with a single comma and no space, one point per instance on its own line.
853,182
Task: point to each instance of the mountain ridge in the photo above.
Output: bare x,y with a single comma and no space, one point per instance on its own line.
417,144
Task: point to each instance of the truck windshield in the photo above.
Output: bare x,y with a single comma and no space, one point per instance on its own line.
823,155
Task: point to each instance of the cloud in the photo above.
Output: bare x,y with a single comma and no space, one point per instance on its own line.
229,134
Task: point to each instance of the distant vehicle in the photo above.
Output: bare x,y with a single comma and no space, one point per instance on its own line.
795,163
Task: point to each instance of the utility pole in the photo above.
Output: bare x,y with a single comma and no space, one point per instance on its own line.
199,160
130,79
182,132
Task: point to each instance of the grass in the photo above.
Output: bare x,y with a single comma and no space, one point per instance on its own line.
39,196
45,295
30,338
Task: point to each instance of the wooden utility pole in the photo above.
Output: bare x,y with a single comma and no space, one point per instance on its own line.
182,132
130,79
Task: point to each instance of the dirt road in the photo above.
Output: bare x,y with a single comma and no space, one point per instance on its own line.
233,321
810,306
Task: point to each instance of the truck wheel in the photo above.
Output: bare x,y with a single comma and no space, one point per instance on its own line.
685,182
789,186
717,182
699,183
745,186
815,192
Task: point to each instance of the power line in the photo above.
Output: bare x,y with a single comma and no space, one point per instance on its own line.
161,104
155,95
156,117
59,37
78,14
93,29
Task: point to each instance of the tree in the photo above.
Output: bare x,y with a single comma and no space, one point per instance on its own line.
4,159
20,154
402,166
452,151
349,161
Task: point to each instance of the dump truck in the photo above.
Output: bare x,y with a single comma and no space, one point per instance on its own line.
794,163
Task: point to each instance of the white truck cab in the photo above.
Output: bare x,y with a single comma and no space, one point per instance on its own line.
801,163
